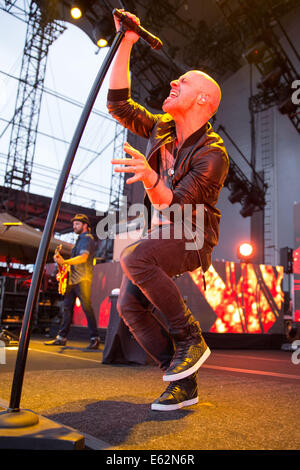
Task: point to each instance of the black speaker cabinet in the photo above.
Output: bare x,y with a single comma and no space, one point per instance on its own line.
120,346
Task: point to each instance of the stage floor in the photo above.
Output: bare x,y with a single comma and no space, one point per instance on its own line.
247,399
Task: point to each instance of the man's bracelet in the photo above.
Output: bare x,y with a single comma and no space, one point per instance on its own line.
155,184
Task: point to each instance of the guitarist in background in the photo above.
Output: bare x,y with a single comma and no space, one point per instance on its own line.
79,283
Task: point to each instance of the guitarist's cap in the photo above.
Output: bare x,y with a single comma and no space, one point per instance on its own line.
82,218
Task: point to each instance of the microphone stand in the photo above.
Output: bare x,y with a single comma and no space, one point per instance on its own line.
13,417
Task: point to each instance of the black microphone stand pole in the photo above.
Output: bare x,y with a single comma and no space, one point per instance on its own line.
28,418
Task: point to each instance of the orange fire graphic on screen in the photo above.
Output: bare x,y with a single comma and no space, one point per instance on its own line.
250,304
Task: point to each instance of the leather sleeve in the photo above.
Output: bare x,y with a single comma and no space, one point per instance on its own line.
204,180
130,114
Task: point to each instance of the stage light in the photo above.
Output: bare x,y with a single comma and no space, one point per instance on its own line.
245,251
12,224
77,10
236,196
102,42
247,209
237,193
271,79
256,53
103,33
76,13
251,203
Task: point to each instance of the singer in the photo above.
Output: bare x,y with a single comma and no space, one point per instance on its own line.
185,165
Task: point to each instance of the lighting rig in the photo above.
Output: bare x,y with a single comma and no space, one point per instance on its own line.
93,17
250,194
215,48
258,28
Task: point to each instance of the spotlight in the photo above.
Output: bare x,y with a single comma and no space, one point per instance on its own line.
256,53
271,79
237,194
103,32
248,209
102,42
76,13
12,224
77,10
245,251
251,203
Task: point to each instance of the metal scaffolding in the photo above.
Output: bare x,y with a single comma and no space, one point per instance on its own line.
257,26
41,33
117,179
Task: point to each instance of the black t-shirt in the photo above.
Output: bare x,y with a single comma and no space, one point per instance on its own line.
84,271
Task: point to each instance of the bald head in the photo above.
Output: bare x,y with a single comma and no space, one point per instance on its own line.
209,90
194,95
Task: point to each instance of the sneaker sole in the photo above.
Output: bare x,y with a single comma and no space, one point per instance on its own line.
175,406
186,373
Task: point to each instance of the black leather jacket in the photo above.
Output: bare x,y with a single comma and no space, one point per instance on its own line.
200,168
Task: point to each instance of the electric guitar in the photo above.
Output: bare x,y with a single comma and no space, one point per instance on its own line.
62,275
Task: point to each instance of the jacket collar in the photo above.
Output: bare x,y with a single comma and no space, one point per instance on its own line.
194,138
170,123
167,128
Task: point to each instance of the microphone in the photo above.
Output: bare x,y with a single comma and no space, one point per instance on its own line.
152,40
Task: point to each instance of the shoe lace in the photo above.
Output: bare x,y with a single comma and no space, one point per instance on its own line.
181,350
172,387
195,329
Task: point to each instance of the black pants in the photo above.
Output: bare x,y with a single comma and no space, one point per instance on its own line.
149,266
81,290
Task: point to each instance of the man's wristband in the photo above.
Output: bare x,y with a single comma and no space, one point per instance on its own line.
155,184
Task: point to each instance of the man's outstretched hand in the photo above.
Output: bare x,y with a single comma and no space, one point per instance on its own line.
137,165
